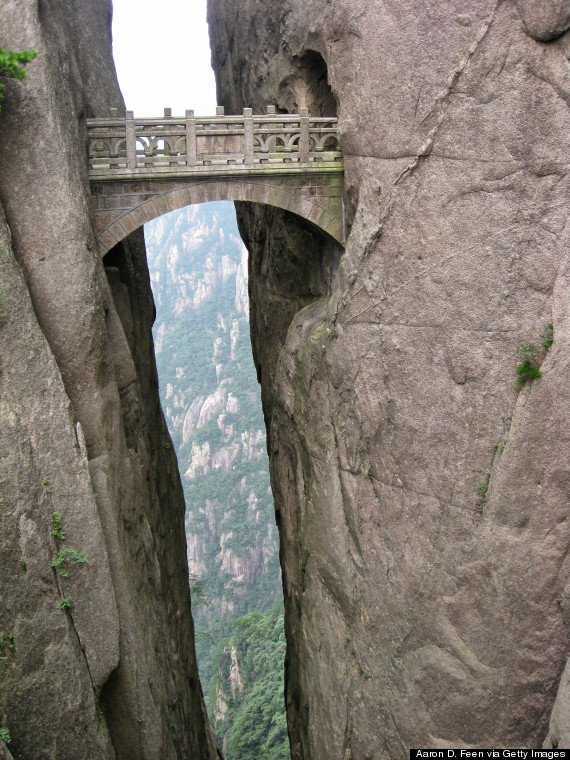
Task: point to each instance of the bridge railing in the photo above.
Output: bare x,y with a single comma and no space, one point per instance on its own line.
123,145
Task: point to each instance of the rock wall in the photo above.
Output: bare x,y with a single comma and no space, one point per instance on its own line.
422,498
97,660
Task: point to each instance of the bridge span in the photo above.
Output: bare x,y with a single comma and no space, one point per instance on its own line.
141,168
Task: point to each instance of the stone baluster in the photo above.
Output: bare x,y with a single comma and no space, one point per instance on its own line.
113,115
131,140
190,139
271,140
167,147
304,136
248,135
220,111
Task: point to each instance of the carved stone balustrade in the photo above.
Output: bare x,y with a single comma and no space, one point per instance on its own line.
214,143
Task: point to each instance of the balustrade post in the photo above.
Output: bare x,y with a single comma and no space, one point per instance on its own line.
248,135
304,136
190,139
131,140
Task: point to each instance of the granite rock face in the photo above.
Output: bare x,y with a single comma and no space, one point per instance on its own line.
422,498
98,660
545,20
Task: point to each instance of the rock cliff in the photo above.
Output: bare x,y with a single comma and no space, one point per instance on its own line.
422,496
96,635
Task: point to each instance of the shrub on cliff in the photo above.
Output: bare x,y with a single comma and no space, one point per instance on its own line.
12,65
254,724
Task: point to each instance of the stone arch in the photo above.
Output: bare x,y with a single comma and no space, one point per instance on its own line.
121,207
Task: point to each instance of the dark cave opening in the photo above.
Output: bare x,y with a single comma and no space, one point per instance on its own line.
308,86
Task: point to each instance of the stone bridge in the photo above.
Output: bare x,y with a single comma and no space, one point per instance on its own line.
142,168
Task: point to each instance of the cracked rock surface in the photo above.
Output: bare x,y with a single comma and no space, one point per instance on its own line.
422,499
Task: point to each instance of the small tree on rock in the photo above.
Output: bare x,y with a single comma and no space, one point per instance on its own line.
12,65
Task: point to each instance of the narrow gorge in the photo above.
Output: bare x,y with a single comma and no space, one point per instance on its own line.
421,486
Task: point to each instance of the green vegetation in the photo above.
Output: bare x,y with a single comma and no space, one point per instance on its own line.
99,713
12,65
482,489
254,725
68,556
7,645
528,369
5,736
56,530
531,357
202,349
8,639
65,556
547,336
197,592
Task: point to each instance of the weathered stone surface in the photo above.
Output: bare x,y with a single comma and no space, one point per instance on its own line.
414,619
82,434
559,729
59,661
545,20
315,196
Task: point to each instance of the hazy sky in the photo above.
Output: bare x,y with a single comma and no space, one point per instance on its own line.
162,55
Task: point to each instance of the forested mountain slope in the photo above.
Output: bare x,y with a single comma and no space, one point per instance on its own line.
211,400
